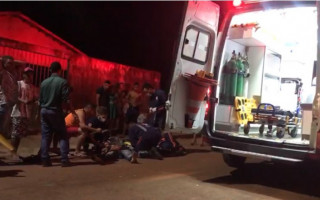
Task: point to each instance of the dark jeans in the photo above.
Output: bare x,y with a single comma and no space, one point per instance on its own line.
2,116
156,119
5,120
147,141
132,114
53,121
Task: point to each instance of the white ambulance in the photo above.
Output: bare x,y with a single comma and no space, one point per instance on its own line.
263,57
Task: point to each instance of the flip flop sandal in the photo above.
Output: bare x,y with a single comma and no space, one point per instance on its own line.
79,154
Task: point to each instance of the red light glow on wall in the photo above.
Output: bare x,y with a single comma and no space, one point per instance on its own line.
87,74
31,44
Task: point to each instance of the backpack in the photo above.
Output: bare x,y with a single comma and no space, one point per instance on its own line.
168,146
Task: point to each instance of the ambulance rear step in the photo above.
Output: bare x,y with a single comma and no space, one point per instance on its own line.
248,154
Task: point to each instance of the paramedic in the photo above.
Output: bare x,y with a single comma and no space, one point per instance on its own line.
144,137
157,106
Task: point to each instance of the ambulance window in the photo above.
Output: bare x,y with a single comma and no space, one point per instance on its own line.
190,42
202,47
196,43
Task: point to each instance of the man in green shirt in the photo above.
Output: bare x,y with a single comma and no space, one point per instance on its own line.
54,92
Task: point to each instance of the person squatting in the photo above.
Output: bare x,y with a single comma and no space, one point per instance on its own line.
125,122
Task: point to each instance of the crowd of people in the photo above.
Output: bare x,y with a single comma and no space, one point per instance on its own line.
124,122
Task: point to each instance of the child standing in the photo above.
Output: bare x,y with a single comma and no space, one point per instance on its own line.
21,112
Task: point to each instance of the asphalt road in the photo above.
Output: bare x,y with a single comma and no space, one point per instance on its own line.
201,174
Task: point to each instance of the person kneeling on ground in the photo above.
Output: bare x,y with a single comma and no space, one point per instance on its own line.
104,147
144,138
76,127
108,148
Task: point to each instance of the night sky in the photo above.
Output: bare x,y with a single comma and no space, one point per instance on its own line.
140,34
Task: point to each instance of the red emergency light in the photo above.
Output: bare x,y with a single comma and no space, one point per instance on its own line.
237,3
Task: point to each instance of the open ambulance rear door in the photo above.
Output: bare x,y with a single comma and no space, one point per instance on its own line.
195,52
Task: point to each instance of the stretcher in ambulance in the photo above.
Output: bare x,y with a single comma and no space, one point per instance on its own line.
243,83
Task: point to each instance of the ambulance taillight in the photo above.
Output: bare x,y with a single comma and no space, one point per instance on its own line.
207,102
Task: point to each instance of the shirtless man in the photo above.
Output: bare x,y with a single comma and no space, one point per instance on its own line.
76,127
133,110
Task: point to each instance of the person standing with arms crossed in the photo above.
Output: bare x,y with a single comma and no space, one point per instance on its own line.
8,98
54,92
9,93
102,94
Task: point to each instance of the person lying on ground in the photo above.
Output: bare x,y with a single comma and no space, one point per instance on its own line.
105,148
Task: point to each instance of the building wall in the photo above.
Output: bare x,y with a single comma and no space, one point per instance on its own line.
32,57
36,47
87,74
16,27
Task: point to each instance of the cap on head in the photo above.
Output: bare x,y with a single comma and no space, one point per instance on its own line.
55,67
28,69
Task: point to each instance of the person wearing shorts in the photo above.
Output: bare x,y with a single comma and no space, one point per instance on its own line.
133,110
21,112
76,127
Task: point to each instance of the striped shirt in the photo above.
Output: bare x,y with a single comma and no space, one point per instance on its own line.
9,88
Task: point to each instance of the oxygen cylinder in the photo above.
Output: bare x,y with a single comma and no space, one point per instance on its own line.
231,79
223,85
246,75
240,78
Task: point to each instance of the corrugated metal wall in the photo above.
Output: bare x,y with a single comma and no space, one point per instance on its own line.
36,47
39,62
32,58
87,74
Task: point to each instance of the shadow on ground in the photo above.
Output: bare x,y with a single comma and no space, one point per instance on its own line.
10,173
189,150
302,179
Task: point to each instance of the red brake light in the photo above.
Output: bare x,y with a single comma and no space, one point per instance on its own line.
207,109
207,103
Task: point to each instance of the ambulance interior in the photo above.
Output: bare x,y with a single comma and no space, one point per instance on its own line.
269,60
